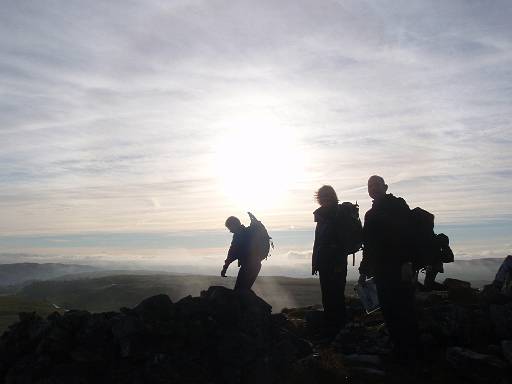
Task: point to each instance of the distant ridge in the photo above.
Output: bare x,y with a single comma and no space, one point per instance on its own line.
21,273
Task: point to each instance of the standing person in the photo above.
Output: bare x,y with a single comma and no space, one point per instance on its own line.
386,255
240,250
329,259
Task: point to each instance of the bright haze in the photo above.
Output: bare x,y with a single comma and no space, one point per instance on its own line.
130,130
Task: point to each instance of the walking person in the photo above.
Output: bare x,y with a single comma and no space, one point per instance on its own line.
250,245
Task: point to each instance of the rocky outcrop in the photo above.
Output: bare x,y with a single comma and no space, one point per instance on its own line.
225,336
221,337
465,338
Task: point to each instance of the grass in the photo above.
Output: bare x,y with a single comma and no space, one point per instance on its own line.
11,305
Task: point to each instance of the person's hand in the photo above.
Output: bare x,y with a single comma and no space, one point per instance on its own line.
223,272
314,270
362,279
407,273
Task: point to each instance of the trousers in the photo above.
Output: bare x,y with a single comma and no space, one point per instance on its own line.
332,284
247,275
396,300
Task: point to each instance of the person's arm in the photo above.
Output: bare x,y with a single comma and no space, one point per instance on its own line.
365,266
314,256
233,252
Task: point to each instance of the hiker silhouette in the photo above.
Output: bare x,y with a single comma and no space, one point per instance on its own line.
329,258
387,257
250,245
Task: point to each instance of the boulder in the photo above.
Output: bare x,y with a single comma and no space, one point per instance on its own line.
157,308
476,367
362,359
464,296
501,318
223,336
323,368
455,283
506,348
490,294
452,324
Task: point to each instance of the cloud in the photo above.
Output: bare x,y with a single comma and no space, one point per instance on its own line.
111,113
299,256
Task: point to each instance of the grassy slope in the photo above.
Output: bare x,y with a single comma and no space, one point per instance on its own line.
112,292
11,305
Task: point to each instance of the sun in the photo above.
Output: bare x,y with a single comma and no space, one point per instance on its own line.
257,162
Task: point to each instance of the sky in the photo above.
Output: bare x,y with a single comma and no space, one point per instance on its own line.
129,130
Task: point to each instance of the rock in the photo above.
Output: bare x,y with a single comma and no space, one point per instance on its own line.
362,341
501,317
157,308
429,298
314,320
475,366
368,373
506,348
462,295
490,294
364,359
223,336
226,336
493,349
323,368
452,324
455,283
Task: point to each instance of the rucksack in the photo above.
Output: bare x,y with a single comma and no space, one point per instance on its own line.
427,247
260,241
350,227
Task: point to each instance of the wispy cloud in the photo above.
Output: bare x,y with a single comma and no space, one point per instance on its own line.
112,114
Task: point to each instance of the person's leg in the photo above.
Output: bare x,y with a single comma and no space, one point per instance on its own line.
328,296
325,289
340,283
385,295
253,271
241,278
406,330
247,275
332,284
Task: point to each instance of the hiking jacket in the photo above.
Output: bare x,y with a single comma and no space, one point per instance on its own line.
240,247
328,248
386,238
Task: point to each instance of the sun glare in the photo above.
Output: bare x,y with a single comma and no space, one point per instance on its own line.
258,162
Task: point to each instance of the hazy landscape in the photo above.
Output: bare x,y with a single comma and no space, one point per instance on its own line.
45,288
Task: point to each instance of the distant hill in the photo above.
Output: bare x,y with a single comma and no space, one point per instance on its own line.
94,289
476,271
20,273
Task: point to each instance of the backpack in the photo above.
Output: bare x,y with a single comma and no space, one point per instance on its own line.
351,229
428,248
260,241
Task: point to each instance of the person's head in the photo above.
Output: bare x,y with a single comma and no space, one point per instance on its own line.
326,196
377,188
233,224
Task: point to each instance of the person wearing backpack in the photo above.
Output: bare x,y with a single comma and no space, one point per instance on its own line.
330,250
250,245
387,256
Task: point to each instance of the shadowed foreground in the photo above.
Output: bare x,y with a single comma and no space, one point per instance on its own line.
225,336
